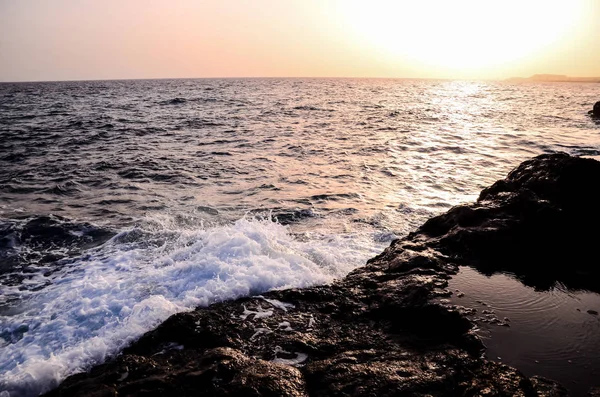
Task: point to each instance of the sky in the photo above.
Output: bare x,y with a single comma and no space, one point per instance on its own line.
44,40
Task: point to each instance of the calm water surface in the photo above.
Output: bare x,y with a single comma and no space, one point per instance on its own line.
547,333
123,202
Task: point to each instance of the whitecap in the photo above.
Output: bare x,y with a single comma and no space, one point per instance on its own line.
98,304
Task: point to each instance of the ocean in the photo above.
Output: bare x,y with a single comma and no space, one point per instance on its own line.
124,202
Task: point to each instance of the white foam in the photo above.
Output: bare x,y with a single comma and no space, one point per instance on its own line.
277,304
311,322
260,331
285,326
260,313
299,359
93,308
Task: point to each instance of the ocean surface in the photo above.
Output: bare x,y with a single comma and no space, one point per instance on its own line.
123,202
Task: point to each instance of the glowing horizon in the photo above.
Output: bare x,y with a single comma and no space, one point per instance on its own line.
467,39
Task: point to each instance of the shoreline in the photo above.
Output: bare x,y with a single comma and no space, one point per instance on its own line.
380,330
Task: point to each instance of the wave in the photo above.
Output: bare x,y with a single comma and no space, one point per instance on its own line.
41,242
174,101
181,101
335,196
312,108
99,302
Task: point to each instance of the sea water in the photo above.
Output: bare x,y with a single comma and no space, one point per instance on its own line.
123,202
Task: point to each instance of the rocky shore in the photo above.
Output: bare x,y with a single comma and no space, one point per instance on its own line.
385,329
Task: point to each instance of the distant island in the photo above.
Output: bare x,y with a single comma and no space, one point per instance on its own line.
556,78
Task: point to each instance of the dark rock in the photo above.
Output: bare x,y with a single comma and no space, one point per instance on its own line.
532,223
594,392
382,330
595,112
592,312
546,387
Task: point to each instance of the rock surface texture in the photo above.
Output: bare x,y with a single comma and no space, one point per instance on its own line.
385,329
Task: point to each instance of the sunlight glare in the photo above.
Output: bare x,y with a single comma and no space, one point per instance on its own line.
465,35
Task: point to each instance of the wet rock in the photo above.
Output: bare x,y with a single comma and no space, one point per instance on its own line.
382,330
594,392
546,387
532,223
595,112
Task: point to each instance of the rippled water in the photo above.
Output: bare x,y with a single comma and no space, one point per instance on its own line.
547,333
122,202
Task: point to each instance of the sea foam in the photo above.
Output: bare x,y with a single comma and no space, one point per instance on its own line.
103,300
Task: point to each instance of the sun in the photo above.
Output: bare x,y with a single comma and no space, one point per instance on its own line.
459,35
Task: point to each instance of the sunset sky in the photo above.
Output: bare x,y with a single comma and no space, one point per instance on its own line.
120,39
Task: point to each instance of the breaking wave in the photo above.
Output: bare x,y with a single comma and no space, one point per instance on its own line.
97,303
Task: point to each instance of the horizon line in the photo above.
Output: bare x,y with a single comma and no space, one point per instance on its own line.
247,77
295,77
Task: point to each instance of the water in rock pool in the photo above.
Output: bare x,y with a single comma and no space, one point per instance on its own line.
552,333
123,202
